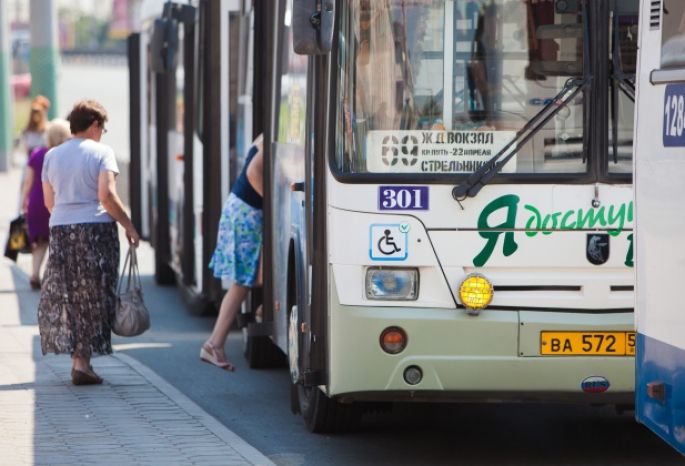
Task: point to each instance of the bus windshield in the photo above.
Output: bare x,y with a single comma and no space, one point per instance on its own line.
440,87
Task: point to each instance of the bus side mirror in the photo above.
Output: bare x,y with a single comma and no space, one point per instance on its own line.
567,6
164,45
326,27
312,28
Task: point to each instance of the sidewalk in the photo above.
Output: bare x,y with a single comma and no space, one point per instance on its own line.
134,418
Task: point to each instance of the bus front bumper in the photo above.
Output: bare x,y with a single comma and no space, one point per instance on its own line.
491,357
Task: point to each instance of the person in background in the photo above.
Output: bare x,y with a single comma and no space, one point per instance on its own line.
33,204
78,294
33,135
237,256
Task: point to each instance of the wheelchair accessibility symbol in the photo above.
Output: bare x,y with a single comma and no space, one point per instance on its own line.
389,242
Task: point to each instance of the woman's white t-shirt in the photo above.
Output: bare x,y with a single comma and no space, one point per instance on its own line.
73,169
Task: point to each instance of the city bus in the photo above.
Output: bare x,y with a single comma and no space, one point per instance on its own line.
660,221
448,192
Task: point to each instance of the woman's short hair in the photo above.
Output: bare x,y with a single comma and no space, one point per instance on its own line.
57,132
84,114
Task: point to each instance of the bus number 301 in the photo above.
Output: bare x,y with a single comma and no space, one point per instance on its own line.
403,198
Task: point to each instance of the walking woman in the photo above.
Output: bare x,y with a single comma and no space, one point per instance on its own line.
33,135
237,257
33,204
78,293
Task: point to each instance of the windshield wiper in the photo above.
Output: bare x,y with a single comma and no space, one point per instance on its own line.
476,180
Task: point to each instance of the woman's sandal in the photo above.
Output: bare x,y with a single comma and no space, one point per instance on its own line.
208,353
85,378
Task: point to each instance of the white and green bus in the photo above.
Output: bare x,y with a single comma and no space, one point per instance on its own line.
448,199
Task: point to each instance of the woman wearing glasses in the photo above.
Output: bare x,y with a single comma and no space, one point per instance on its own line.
79,289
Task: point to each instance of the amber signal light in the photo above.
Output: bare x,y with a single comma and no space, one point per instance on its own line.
393,340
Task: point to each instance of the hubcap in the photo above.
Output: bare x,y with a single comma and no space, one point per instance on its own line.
293,347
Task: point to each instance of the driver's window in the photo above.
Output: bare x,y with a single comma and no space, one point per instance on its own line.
623,57
673,34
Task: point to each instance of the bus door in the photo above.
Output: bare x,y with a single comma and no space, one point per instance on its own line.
162,87
180,146
138,91
214,134
660,220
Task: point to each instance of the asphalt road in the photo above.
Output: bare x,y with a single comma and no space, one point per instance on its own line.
255,405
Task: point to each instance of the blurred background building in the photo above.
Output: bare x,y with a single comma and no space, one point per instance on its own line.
91,43
84,25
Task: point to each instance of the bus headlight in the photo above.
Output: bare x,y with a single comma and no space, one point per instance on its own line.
392,284
475,293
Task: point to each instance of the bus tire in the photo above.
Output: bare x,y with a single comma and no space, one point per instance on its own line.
197,304
164,275
261,353
324,415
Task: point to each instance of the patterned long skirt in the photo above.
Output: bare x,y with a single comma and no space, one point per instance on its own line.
238,243
78,293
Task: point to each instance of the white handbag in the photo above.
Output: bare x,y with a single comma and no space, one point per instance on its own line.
131,317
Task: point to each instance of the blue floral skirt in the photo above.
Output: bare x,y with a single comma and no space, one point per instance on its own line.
239,243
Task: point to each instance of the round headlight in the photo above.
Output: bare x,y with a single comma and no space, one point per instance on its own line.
475,292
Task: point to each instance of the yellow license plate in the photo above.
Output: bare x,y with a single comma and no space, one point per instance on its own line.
587,343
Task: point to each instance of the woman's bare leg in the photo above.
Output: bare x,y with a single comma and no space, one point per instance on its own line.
230,305
259,313
80,363
260,274
37,256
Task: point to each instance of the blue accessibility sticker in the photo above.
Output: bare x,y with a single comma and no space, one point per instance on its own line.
389,242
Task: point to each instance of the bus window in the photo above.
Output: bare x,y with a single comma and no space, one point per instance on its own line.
293,100
673,34
410,70
623,34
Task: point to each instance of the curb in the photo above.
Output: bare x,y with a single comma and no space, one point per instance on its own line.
246,450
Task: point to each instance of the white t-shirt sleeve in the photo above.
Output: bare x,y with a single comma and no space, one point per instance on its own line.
46,164
108,162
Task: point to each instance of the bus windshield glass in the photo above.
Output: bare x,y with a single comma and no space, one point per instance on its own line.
440,87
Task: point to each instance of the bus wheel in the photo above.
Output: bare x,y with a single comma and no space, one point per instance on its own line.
324,415
294,358
196,303
164,275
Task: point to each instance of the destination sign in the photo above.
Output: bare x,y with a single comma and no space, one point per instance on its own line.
416,151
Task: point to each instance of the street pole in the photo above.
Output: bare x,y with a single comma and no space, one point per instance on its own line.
44,57
5,96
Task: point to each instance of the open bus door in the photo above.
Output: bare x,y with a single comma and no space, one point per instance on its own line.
183,137
660,221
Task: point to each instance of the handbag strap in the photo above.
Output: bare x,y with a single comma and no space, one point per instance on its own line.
134,273
125,273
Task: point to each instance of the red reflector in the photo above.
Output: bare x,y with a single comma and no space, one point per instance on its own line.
393,340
